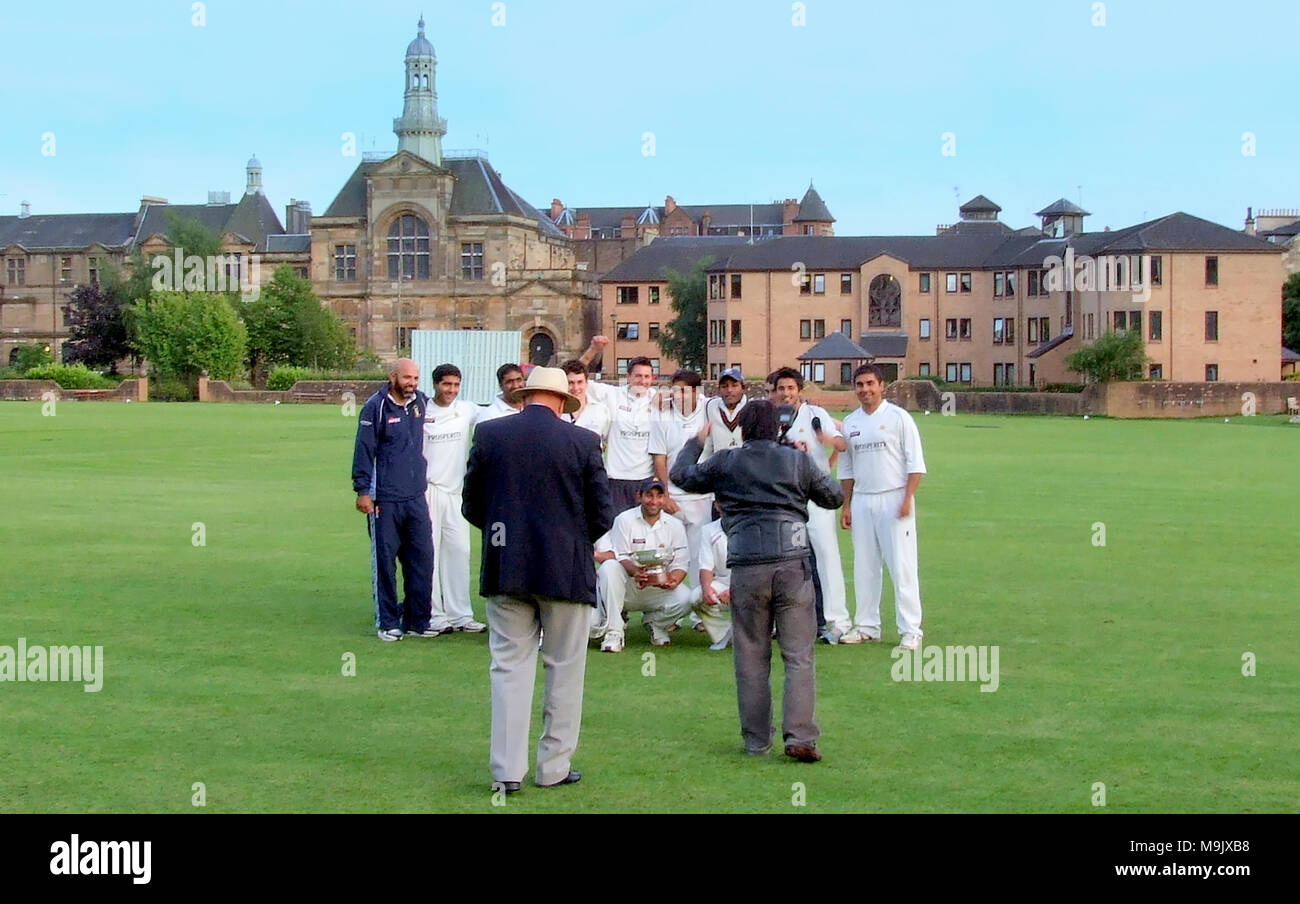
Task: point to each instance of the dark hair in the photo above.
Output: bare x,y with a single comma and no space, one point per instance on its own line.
689,377
573,366
788,373
770,379
870,369
445,370
505,369
758,420
640,360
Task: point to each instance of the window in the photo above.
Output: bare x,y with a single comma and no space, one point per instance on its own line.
1154,372
997,330
997,375
846,327
819,372
716,286
65,270
1211,373
1044,328
654,366
471,260
654,330
1031,331
950,328
1119,274
808,230
1011,284
999,289
1121,321
408,248
924,284
965,283
735,285
345,262
925,369
925,328
1155,326
1088,324
1156,271
1004,331
403,336
735,332
819,329
819,284
1009,374
1135,321
629,331
846,283
301,272
950,282
1037,283
805,329
654,295
1211,326
805,284
1211,271
714,369
735,365
963,328
627,294
884,306
93,269
715,332
965,373
846,373
950,373
16,269
233,262
622,365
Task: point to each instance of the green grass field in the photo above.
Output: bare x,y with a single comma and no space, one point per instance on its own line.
223,663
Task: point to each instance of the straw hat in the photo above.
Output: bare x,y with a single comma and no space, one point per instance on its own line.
548,379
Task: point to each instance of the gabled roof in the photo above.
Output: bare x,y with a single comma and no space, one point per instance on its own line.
288,244
67,230
836,345
351,199
1286,229
719,214
812,209
979,203
252,218
671,253
1062,207
1174,232
885,345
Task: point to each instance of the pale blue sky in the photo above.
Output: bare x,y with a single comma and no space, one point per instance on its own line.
1146,113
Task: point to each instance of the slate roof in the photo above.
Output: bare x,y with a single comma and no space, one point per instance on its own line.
812,209
1288,355
671,253
1051,344
478,191
253,218
1285,230
68,230
720,214
288,244
1062,207
979,203
884,345
835,345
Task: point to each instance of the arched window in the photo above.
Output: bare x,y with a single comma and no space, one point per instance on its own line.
408,248
13,357
885,302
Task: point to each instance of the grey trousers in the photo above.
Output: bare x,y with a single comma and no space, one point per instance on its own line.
513,626
759,594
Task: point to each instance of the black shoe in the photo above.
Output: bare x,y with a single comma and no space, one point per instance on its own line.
508,787
571,779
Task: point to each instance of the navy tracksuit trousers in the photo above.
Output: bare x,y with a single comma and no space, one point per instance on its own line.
401,532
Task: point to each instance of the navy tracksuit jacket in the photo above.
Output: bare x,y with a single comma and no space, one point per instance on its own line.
389,466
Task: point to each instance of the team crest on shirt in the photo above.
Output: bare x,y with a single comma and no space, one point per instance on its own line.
394,420
855,433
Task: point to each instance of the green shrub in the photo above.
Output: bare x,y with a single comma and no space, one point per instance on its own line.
31,355
283,378
171,389
71,376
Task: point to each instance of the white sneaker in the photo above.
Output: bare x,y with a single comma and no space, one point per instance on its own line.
472,627
910,642
859,635
392,634
658,636
832,636
722,644
613,644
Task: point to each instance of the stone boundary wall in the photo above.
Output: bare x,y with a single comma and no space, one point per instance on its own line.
1155,399
329,392
133,390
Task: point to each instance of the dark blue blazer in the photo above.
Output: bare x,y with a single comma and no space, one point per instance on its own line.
536,486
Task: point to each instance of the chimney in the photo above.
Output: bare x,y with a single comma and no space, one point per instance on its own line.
789,210
297,217
217,198
669,205
705,221
629,226
1250,221
583,230
25,210
557,208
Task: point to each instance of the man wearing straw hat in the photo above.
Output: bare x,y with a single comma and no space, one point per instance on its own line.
536,486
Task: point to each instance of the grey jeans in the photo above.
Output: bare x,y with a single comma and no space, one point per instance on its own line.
780,591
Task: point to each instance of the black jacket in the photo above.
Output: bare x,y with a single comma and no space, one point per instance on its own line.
536,486
763,489
388,462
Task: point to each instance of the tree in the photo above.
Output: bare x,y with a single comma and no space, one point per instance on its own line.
192,237
287,324
97,327
1113,356
684,338
36,354
183,334
1291,312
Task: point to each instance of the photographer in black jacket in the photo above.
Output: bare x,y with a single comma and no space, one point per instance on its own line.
763,489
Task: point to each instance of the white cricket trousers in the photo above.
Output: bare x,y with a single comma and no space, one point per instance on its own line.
451,605
880,536
823,533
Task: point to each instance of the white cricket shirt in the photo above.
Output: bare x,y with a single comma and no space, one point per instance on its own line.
726,431
669,431
801,430
883,449
627,456
713,552
446,442
630,534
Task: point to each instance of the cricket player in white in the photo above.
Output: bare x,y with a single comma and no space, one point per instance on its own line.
627,456
880,473
712,593
509,378
448,423
593,416
669,431
724,413
623,584
816,440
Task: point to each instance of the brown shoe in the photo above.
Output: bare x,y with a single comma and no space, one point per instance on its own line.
804,753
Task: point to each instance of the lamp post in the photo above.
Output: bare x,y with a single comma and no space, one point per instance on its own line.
613,337
401,278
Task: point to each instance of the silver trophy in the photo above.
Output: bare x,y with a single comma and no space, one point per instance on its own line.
655,562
